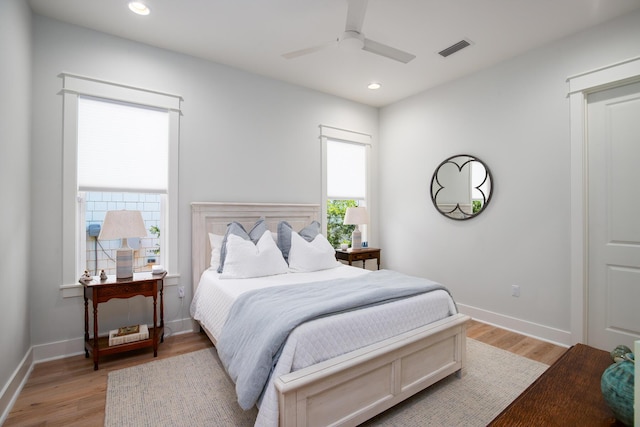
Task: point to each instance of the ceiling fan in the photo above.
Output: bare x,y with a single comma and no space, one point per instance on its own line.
354,37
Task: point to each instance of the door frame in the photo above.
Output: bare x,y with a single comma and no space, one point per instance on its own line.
580,86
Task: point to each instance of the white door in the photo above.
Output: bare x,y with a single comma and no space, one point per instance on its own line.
613,131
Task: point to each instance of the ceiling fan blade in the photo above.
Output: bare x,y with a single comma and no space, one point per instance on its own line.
301,52
388,51
355,15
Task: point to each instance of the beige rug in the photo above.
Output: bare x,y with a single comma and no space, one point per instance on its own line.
193,390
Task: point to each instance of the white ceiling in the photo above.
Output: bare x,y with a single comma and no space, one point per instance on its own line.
253,34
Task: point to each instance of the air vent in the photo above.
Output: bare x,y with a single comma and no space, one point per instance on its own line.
454,48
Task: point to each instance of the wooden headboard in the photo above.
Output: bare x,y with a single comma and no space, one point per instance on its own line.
213,217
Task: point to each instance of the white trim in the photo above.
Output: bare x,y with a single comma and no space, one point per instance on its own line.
70,250
579,220
81,238
344,135
580,85
14,386
534,330
323,183
81,85
600,78
171,211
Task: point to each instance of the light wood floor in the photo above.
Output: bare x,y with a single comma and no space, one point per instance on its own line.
68,392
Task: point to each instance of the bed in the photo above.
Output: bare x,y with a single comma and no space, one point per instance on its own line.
329,374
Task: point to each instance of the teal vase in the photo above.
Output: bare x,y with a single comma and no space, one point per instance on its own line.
617,389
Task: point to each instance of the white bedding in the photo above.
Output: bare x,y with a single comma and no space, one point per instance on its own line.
320,339
214,296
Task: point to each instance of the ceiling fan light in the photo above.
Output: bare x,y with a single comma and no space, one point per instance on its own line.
374,86
139,8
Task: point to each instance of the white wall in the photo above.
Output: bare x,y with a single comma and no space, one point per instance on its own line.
15,264
243,138
515,117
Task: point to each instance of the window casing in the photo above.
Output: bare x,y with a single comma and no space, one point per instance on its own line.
75,185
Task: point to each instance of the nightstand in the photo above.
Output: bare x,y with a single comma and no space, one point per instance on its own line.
98,291
363,255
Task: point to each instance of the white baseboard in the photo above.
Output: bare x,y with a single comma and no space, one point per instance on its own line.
57,350
75,346
12,388
179,327
534,330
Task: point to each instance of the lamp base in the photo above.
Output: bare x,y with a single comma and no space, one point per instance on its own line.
356,239
124,263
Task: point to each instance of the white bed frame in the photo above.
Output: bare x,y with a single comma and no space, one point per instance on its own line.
349,389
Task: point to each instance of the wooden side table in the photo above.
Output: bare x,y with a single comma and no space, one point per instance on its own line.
146,284
363,255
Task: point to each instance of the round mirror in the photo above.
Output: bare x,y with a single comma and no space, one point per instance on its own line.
461,187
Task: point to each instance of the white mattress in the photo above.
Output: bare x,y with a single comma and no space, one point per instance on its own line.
323,338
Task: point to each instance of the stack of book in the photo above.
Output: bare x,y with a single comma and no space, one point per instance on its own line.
128,334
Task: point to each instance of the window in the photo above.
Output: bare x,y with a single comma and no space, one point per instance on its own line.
107,180
120,152
345,167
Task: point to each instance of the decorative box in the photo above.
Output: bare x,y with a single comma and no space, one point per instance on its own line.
116,339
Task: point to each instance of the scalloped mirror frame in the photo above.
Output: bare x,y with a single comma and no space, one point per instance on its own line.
454,210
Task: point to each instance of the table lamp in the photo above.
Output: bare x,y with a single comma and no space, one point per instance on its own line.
123,225
356,216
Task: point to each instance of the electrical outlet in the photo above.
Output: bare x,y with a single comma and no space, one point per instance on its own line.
181,291
515,290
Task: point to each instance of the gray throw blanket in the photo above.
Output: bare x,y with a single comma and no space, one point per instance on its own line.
260,321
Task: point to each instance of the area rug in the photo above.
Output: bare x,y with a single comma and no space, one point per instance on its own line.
192,389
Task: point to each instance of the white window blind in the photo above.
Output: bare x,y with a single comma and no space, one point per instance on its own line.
346,170
122,147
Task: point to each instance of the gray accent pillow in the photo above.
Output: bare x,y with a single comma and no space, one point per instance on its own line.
258,230
236,228
308,233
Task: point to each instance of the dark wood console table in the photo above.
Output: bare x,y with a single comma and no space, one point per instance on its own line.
146,284
566,394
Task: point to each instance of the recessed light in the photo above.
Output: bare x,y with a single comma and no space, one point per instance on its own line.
139,8
374,86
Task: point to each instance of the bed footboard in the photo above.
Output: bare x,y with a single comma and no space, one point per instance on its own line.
349,389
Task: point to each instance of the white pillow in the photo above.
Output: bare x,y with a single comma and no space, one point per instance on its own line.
216,245
315,255
245,259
